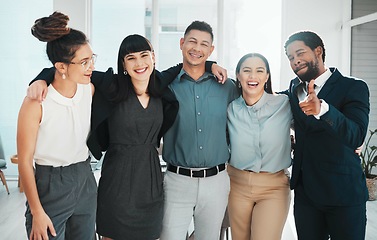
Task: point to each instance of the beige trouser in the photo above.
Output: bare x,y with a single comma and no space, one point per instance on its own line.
258,204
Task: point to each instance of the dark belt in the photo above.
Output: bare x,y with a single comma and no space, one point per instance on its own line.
208,172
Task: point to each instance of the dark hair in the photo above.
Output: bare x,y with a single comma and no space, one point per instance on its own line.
310,39
62,42
123,85
201,26
268,84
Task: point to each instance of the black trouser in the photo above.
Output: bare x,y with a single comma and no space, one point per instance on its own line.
317,222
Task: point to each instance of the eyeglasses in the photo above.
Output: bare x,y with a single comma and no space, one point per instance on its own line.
87,63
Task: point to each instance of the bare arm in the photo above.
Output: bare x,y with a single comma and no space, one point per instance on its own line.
28,124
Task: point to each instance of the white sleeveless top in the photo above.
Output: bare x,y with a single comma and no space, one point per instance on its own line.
64,128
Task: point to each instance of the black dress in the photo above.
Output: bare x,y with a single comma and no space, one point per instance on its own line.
130,194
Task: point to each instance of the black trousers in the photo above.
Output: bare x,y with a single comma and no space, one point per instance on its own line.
318,222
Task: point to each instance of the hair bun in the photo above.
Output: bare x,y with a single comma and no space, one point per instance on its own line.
50,28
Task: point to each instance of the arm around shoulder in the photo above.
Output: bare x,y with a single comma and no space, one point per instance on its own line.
164,78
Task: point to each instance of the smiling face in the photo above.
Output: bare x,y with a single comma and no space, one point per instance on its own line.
253,75
305,62
139,65
196,47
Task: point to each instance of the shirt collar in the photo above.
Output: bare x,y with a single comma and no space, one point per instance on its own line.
258,105
321,80
183,75
57,97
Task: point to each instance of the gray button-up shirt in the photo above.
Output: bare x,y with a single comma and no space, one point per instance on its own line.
197,139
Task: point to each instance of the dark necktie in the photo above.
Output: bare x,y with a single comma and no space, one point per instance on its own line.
306,90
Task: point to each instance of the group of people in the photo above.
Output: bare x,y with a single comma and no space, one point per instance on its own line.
227,143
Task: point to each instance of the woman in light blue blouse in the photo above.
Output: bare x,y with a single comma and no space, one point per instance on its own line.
259,130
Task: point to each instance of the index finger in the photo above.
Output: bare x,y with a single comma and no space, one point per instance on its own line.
311,87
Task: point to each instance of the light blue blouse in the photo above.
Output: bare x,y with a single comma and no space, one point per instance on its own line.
260,134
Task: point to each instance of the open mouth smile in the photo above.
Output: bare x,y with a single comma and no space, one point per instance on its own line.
252,84
141,70
195,55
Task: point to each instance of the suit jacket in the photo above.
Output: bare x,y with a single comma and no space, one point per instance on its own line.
325,162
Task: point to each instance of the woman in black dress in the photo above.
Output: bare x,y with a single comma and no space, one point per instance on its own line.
130,195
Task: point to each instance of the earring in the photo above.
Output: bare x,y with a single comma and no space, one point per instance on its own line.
265,85
125,72
63,76
239,84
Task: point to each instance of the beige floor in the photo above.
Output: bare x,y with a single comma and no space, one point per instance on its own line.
12,209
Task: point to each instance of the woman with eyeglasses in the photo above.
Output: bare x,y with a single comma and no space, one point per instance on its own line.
61,193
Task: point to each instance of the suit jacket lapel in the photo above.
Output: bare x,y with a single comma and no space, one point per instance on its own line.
299,116
330,84
296,83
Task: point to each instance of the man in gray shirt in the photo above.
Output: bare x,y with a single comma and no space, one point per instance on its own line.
195,147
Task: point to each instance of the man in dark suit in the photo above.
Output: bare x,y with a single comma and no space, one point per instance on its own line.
331,115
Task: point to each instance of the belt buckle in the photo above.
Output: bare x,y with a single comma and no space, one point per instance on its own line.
197,171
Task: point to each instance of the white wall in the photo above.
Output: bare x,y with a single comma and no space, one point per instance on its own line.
113,20
78,11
